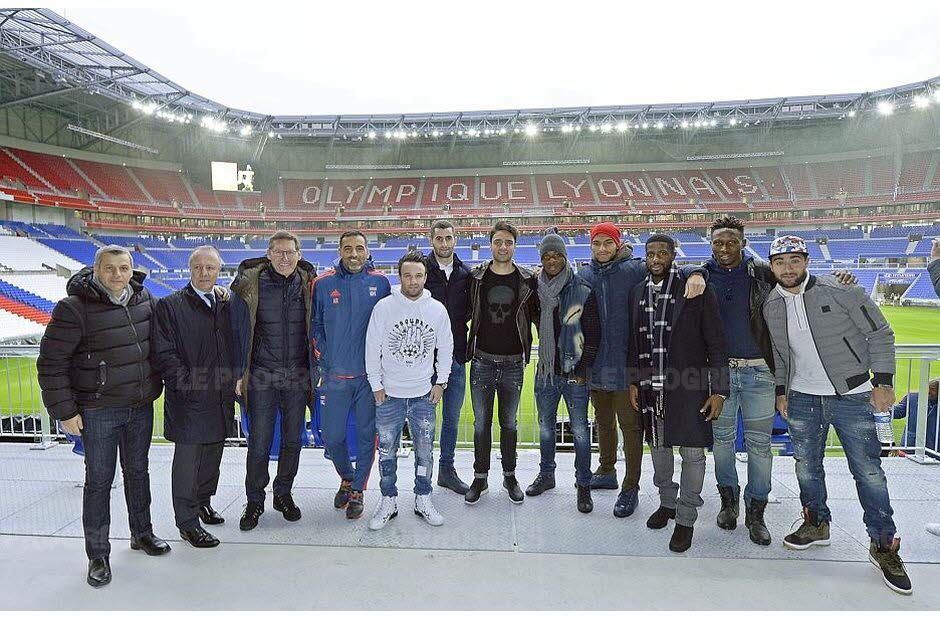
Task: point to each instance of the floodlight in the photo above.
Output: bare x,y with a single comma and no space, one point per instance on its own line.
885,108
531,130
921,101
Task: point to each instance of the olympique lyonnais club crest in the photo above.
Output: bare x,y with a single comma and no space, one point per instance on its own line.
335,296
373,290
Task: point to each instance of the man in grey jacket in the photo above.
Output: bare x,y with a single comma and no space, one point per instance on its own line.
833,365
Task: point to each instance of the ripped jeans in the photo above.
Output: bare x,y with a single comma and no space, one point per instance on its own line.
851,415
390,417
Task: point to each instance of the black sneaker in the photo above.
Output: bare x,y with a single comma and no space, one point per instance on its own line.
513,489
355,506
285,505
888,561
660,519
810,533
478,488
342,495
585,503
249,520
542,483
681,539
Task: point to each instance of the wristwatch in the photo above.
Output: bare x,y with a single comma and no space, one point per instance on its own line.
443,386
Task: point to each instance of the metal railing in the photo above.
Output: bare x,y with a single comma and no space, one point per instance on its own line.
23,416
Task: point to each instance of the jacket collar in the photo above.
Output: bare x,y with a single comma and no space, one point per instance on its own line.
433,264
250,269
341,270
480,271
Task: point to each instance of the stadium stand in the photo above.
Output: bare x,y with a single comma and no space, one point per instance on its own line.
24,254
80,251
15,327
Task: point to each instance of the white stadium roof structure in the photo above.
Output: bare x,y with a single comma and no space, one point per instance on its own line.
49,61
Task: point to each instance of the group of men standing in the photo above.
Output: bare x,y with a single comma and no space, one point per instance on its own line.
658,352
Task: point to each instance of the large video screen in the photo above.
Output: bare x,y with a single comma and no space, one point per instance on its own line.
227,177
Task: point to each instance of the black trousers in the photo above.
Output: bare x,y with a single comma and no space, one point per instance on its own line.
195,478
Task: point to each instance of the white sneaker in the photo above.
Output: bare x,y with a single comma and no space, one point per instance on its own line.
386,511
426,510
934,528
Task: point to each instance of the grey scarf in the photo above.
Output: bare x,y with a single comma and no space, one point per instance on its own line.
119,301
549,291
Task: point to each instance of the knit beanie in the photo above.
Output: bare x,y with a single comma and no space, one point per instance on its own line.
552,242
607,228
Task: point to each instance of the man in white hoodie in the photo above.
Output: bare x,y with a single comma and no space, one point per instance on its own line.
409,339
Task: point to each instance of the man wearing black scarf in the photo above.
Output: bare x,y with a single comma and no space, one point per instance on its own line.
679,380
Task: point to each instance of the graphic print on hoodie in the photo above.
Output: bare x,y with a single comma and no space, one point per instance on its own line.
401,341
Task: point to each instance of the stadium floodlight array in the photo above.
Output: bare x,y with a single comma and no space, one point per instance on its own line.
40,38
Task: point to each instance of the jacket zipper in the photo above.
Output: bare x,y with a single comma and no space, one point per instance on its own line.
140,367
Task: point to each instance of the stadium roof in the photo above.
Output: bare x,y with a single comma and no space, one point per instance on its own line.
49,61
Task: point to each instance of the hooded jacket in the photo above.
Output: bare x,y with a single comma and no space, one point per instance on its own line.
612,283
406,343
95,353
343,303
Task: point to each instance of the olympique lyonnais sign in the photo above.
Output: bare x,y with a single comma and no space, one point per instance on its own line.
549,189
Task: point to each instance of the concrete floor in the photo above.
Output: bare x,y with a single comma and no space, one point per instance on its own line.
542,554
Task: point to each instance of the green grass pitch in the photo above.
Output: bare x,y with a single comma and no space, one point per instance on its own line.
19,389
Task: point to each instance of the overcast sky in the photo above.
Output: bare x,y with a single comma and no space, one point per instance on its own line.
399,56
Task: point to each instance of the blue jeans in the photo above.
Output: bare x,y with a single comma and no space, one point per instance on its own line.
852,417
488,380
263,405
752,390
547,396
451,404
337,396
107,431
389,418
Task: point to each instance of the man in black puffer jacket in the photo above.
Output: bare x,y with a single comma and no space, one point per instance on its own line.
96,378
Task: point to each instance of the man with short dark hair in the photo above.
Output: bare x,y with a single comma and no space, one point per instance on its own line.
678,354
834,364
343,301
448,282
96,379
270,314
503,305
569,334
191,349
408,340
